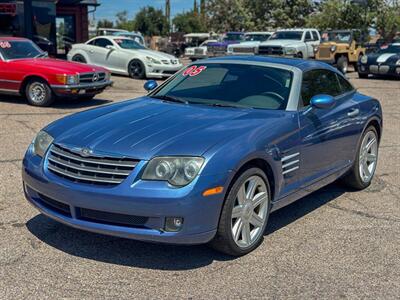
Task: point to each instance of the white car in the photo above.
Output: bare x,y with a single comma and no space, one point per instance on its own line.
298,42
250,46
122,55
200,52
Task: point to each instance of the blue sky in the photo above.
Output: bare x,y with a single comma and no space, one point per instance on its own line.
109,8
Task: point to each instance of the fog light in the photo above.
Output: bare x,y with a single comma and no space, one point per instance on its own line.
362,68
173,224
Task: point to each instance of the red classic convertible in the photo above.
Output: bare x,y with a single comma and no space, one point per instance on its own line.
26,70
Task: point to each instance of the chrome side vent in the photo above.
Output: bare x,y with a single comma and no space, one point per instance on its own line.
290,163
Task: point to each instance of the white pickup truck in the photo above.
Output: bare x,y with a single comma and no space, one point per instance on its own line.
299,42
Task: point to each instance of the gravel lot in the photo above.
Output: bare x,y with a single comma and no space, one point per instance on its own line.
332,244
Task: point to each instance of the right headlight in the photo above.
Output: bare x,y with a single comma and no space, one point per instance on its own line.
364,59
333,48
41,143
178,171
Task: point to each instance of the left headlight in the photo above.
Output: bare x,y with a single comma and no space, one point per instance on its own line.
41,143
364,59
178,171
108,76
398,62
153,60
290,51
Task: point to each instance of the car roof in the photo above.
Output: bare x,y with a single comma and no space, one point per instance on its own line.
293,62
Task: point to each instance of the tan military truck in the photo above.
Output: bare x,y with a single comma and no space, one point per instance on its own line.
340,48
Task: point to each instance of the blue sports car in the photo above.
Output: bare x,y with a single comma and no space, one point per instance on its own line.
208,155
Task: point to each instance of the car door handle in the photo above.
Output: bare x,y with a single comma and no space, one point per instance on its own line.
353,112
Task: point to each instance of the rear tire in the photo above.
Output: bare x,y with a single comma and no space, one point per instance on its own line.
343,64
39,93
244,214
136,69
363,170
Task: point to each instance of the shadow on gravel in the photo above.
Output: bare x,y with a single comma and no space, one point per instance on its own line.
159,256
63,103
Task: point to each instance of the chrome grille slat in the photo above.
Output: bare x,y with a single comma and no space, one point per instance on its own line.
92,169
82,177
87,169
88,77
99,161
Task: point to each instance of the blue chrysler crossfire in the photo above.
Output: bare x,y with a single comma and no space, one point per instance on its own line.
206,156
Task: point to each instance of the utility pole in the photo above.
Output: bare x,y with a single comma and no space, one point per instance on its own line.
168,10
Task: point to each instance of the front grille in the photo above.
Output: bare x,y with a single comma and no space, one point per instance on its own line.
169,72
217,49
270,50
103,217
243,50
89,169
324,52
90,77
54,205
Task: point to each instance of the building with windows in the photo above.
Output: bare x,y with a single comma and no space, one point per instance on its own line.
52,24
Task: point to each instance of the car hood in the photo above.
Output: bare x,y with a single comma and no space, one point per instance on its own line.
225,43
57,65
383,57
153,54
283,43
247,44
146,127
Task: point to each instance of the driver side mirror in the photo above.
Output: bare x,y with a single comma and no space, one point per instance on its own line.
322,101
150,85
110,47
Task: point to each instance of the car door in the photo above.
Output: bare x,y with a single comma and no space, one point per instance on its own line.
9,77
328,136
98,51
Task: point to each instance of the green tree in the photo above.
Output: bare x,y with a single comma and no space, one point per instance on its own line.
104,23
123,22
387,20
189,22
151,21
229,15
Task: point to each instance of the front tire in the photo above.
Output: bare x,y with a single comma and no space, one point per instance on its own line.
136,69
244,214
39,93
79,58
362,75
363,170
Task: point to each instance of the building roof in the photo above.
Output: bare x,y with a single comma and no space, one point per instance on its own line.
79,2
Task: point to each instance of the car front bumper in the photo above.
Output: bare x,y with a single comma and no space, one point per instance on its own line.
150,202
160,71
81,89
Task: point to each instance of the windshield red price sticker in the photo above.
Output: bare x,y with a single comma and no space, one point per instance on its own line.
194,71
5,44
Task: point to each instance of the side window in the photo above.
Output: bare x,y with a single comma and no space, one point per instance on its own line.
92,42
345,86
308,36
315,35
317,82
102,43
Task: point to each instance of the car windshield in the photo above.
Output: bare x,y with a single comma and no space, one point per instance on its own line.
390,49
233,37
341,37
257,37
231,85
128,44
287,35
19,49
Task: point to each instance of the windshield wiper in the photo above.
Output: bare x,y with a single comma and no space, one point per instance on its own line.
217,104
170,99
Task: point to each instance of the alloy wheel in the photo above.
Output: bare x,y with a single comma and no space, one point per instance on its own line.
368,156
249,212
37,92
136,69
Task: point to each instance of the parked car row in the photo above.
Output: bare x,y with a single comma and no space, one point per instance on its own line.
340,48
